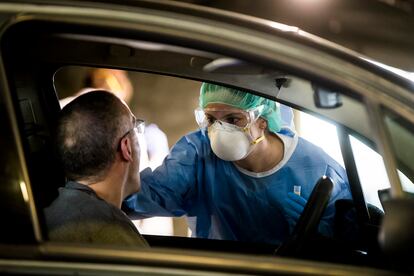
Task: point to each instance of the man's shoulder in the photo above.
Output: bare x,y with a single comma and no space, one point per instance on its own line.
79,216
97,231
76,203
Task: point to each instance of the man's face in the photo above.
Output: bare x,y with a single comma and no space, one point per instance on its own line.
134,182
131,151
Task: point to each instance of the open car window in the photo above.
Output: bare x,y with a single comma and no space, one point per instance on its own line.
168,120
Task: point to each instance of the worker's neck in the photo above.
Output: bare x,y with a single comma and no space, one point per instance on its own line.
265,156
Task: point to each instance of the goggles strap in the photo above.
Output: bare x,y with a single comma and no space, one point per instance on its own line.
257,140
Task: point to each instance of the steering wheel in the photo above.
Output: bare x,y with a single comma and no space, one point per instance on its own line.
307,225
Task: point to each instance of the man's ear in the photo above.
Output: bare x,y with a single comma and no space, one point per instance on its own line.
126,149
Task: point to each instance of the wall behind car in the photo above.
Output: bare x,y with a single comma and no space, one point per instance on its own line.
166,101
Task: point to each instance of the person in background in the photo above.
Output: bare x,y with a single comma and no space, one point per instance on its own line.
97,144
241,176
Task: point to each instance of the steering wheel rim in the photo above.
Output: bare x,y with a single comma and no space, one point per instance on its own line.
307,225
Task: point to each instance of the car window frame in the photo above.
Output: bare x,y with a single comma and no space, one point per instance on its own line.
371,102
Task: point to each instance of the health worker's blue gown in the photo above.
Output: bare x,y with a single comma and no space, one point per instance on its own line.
223,201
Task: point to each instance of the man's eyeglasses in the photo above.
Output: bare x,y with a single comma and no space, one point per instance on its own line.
139,126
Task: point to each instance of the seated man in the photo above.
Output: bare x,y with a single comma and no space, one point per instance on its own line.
97,143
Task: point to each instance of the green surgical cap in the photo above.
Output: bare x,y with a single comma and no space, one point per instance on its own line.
212,93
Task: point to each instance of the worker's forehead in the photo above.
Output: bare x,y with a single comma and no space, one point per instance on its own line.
220,107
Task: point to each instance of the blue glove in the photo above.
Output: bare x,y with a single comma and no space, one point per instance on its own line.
294,206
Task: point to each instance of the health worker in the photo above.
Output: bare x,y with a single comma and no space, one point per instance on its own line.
235,177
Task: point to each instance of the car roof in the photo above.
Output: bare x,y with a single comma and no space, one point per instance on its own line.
194,12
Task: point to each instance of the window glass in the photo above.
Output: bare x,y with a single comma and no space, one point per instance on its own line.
402,138
367,160
322,134
406,183
371,171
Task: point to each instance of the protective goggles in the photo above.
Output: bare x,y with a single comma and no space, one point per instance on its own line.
243,118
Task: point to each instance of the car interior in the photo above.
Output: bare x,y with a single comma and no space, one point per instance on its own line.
38,52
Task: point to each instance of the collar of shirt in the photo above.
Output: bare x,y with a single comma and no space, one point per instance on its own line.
82,187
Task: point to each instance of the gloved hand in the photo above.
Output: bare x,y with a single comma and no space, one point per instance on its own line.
294,206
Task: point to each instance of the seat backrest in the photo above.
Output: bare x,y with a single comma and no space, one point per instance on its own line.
384,195
347,228
396,235
46,175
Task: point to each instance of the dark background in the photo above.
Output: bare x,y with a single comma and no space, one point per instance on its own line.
380,29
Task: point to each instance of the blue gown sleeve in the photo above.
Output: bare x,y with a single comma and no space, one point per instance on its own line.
168,189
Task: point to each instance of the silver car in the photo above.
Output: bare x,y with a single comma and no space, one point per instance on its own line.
370,109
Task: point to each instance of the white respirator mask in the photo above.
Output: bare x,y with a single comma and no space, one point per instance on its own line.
230,142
